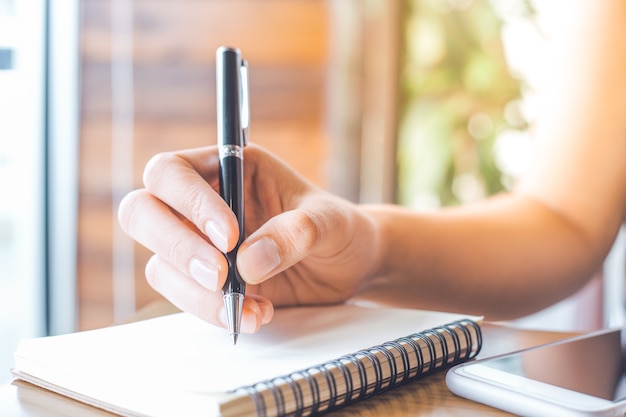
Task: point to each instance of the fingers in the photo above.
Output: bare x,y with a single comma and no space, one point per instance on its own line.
175,180
189,296
147,220
280,243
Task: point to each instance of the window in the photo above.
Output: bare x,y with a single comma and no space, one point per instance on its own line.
22,259
37,103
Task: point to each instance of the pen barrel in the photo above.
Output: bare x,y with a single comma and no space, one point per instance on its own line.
234,283
229,97
231,190
230,140
231,185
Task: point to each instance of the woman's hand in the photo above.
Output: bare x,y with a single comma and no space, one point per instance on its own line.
302,245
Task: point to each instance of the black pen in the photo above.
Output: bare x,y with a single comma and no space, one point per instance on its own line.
232,130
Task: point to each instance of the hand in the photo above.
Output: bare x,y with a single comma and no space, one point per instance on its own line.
302,246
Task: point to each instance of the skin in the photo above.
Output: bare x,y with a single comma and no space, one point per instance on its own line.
504,257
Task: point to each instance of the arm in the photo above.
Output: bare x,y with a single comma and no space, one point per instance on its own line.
503,257
516,253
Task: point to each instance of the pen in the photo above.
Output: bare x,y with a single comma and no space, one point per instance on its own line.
232,131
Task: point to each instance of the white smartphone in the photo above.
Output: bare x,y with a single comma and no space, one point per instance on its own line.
581,376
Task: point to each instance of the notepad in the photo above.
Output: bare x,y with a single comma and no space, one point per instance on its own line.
308,360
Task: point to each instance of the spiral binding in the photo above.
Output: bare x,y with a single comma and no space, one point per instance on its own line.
353,377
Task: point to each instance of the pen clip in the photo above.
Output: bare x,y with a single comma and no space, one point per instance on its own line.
245,102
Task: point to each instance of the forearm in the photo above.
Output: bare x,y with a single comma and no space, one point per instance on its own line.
514,254
504,257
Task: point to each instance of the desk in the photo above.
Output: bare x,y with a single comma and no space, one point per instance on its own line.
425,397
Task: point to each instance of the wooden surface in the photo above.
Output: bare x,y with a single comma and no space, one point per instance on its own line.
425,397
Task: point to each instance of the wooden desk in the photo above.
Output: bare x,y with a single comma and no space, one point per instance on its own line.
426,397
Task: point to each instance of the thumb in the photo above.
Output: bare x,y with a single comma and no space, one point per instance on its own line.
277,245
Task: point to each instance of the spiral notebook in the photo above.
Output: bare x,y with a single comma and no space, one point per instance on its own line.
308,361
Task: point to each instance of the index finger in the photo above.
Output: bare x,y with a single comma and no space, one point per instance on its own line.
182,180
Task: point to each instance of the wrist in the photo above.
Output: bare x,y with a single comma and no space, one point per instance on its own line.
379,244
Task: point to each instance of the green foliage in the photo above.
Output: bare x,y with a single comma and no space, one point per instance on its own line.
456,84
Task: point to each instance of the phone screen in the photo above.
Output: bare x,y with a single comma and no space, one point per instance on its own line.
593,365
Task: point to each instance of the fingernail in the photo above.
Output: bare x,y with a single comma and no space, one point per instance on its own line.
258,260
205,273
218,235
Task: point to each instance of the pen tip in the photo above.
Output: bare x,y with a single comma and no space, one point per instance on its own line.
234,308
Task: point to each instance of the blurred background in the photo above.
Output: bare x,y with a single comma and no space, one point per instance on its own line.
426,103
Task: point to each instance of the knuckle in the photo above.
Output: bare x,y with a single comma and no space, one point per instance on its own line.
198,207
305,230
155,167
176,253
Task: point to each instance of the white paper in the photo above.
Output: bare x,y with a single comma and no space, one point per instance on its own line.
179,356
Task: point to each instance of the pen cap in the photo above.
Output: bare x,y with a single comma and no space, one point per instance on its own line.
229,96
